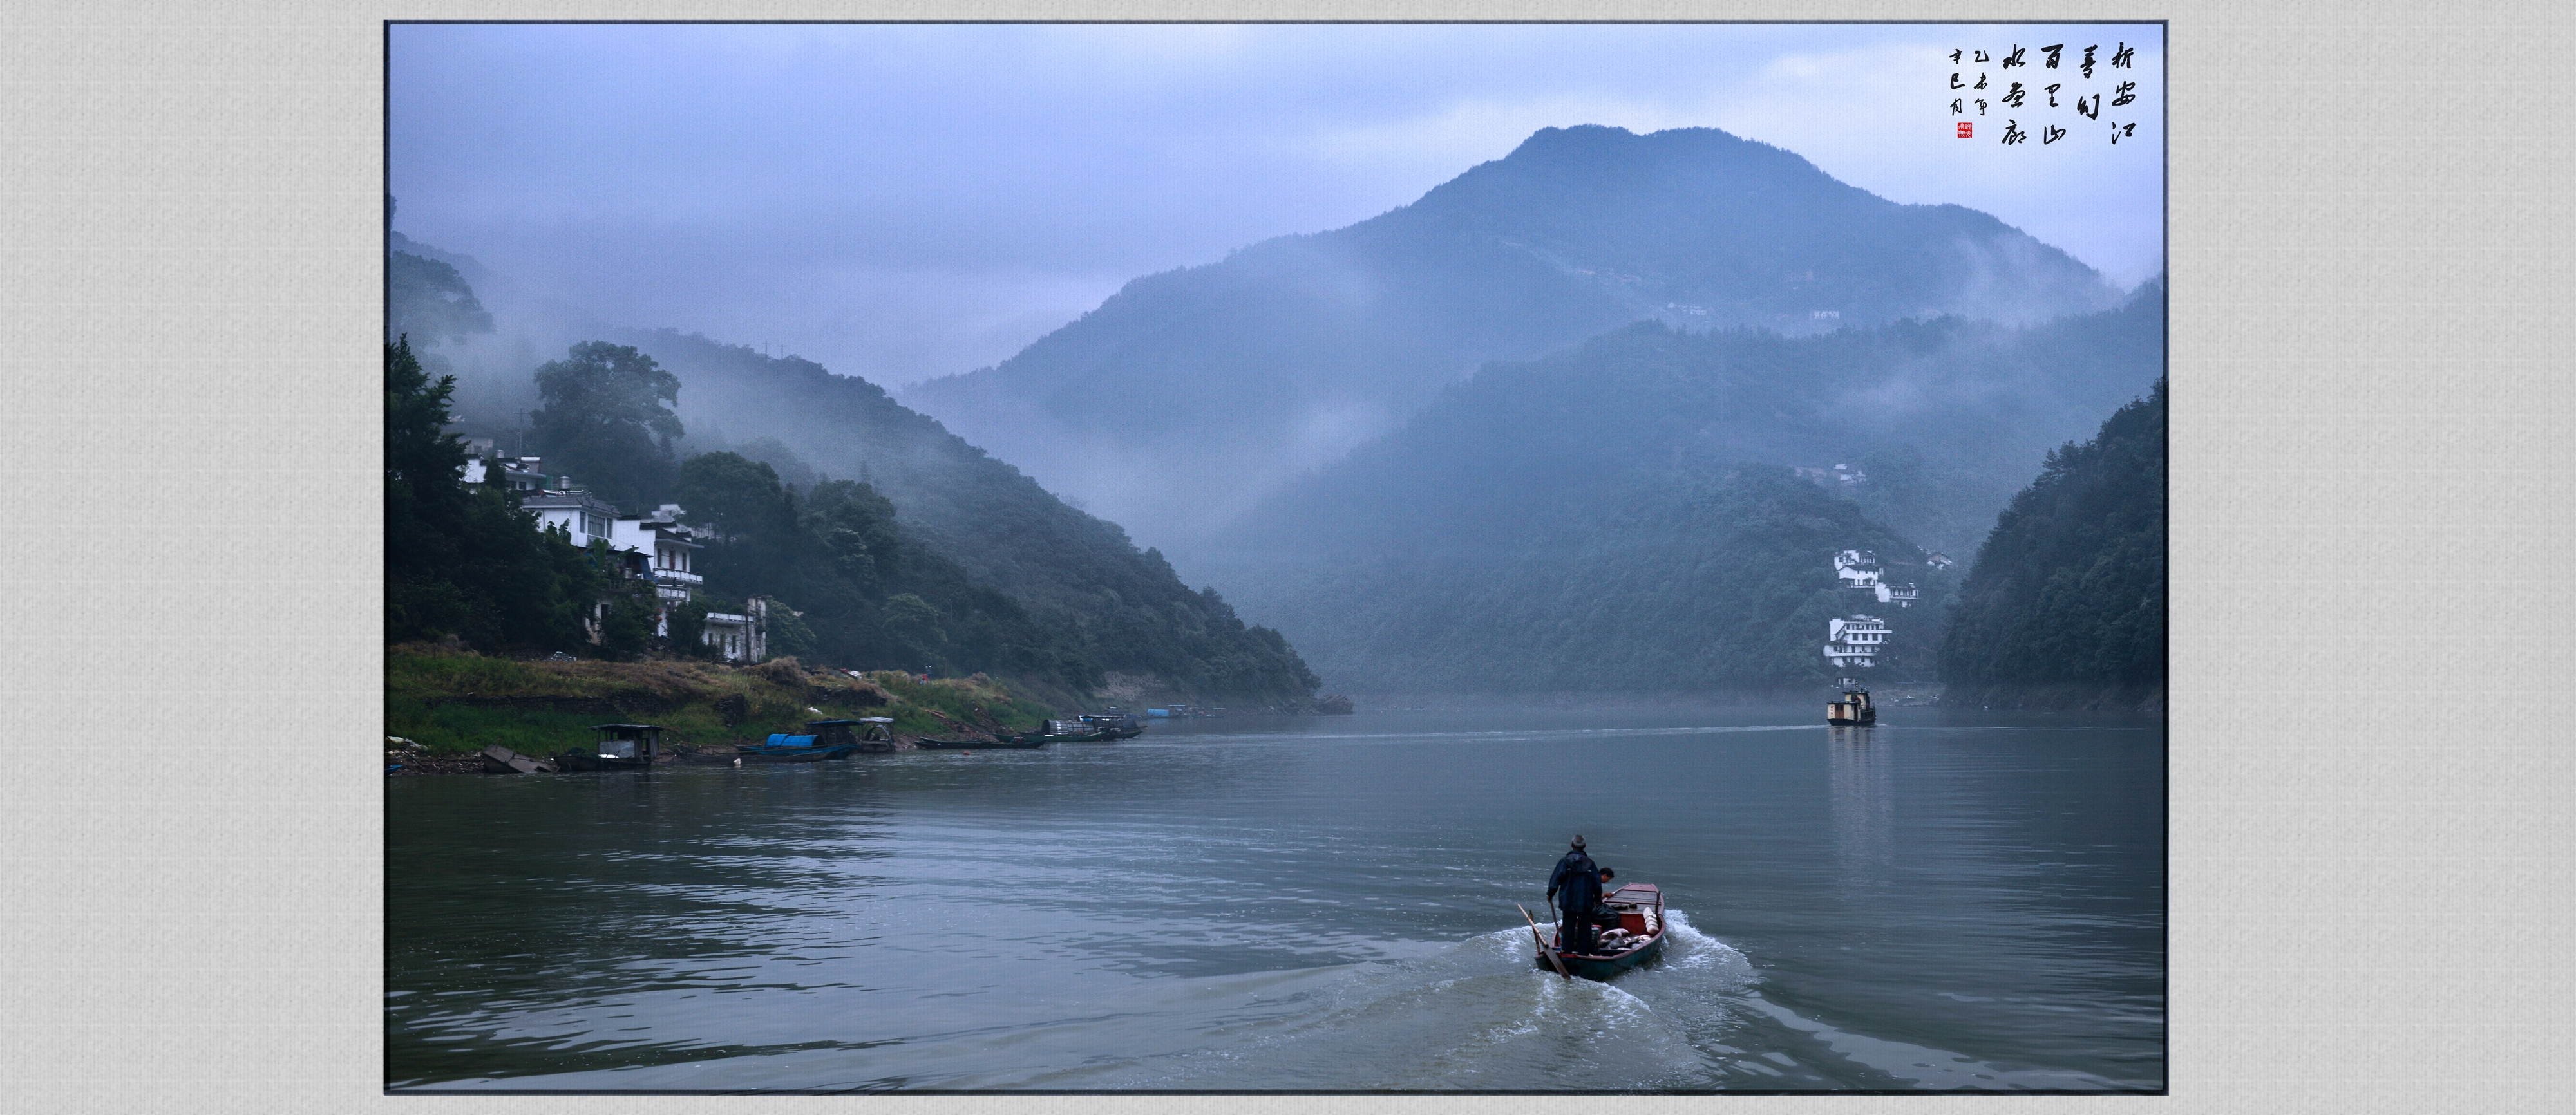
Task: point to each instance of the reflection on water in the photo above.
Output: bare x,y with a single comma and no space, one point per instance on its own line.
1864,803
1299,904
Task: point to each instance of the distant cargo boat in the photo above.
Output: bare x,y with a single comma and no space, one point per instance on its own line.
1854,708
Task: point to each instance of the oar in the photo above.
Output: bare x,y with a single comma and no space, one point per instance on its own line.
1543,950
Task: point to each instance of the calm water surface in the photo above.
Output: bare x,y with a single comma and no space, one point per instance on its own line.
1947,900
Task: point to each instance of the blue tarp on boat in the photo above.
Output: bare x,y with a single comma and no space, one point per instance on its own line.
782,739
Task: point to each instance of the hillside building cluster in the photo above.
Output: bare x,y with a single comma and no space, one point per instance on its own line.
1858,640
654,548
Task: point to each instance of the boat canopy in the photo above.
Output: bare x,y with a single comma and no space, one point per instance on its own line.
782,739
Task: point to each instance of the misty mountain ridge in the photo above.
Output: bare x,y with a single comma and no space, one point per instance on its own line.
982,526
1636,491
1182,400
1077,574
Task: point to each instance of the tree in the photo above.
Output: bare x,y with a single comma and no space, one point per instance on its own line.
2066,600
689,630
912,625
603,419
789,637
733,496
467,562
426,298
856,527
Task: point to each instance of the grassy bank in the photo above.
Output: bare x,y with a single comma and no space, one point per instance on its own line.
458,702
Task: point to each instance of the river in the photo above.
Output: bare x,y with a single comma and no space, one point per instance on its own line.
1946,900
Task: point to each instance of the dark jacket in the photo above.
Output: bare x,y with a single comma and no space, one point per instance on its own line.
1578,880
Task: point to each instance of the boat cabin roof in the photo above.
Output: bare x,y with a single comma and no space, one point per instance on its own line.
1636,892
627,727
833,723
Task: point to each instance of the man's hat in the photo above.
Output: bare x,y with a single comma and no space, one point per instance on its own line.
1578,841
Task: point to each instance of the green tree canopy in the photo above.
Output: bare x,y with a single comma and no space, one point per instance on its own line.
2066,602
736,497
871,598
606,420
460,561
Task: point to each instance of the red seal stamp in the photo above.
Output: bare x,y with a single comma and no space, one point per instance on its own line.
1967,130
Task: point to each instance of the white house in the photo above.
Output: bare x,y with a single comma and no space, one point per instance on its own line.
653,545
587,517
1857,568
524,475
1937,560
1854,641
671,550
1903,596
740,638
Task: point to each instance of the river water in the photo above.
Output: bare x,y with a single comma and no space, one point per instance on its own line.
1946,900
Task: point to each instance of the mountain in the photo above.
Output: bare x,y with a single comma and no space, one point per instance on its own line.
1126,610
1188,396
2066,602
1631,496
1004,572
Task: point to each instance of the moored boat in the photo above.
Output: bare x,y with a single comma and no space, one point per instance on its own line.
501,760
1061,731
750,755
1118,724
781,747
1638,939
867,733
621,747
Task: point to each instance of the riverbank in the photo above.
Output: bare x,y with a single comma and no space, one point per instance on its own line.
455,703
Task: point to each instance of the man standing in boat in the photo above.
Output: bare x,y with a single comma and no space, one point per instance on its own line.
1575,887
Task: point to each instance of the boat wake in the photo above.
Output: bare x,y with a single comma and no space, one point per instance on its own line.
1474,1015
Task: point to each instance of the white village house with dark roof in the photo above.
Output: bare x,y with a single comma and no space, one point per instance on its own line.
1854,640
654,546
1857,568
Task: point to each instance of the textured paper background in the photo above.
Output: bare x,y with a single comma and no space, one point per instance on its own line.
2370,786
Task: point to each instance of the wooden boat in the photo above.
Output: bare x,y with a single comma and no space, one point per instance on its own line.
1854,708
935,743
751,755
1638,940
784,748
621,747
1119,725
501,760
867,733
1059,731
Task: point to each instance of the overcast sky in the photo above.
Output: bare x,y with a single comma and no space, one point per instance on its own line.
902,202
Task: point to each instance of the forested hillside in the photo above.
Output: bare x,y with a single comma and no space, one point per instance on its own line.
904,546
1560,468
1123,610
2066,602
1190,395
1692,581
